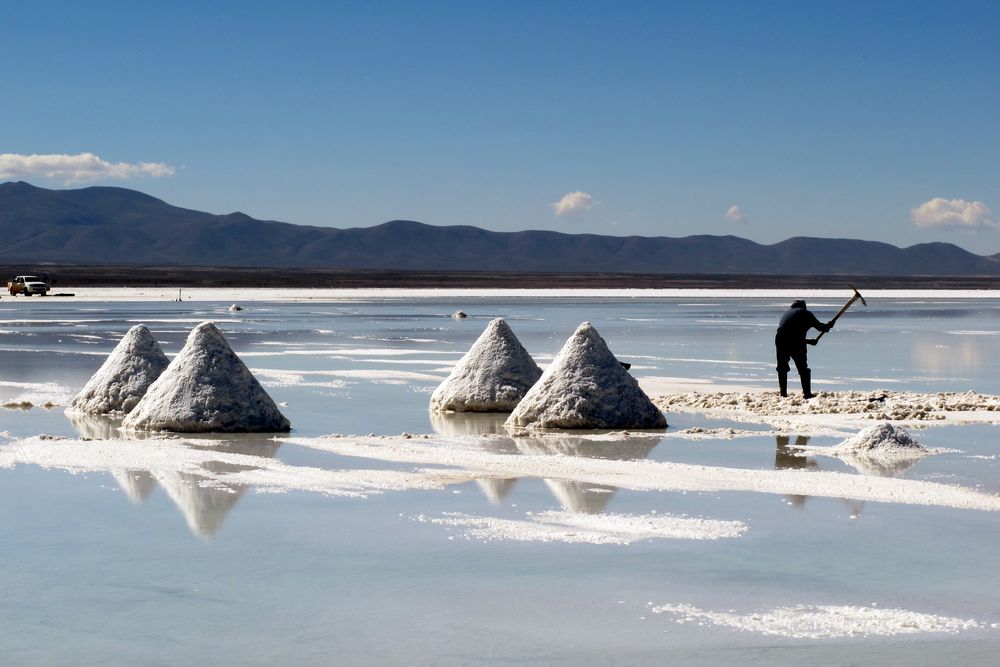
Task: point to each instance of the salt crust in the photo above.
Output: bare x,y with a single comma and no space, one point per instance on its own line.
585,528
493,376
282,378
460,460
166,458
841,409
42,394
125,376
206,388
823,622
586,387
470,456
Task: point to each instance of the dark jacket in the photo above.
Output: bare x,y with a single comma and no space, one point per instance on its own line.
796,323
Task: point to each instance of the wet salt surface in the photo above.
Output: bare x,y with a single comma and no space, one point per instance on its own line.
169,559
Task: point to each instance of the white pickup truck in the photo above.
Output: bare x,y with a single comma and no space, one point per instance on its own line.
27,285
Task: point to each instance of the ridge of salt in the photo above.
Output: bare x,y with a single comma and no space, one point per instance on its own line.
124,377
493,376
207,387
586,387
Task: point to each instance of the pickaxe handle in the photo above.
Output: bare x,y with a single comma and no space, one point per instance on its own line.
857,295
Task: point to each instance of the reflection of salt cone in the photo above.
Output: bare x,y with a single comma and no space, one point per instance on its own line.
104,427
96,427
880,467
467,423
137,484
626,449
496,489
205,508
581,497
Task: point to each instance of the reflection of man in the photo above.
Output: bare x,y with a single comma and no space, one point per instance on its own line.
786,458
790,343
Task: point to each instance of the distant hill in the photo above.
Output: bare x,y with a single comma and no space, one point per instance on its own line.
104,225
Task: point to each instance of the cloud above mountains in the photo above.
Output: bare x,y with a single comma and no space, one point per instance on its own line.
573,202
734,214
940,213
78,168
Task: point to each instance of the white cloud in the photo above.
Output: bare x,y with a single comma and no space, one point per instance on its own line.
77,168
734,214
953,213
573,202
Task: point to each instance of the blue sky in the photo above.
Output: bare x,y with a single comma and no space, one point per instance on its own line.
835,119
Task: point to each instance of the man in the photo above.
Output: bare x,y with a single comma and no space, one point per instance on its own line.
790,343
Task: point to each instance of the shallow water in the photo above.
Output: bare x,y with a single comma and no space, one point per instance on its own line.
156,568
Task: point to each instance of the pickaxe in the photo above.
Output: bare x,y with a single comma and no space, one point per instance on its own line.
857,296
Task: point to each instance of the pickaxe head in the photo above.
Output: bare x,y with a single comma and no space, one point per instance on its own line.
857,295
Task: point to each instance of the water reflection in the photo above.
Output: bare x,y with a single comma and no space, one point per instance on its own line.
496,489
106,427
878,467
582,496
468,423
955,355
137,484
572,496
95,427
489,425
204,503
786,458
790,457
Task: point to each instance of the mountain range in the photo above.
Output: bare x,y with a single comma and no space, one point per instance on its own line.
108,226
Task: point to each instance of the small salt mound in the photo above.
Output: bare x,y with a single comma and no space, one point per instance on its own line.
493,376
882,438
586,387
881,450
459,315
126,374
235,308
206,388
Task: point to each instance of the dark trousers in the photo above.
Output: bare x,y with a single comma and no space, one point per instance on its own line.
794,350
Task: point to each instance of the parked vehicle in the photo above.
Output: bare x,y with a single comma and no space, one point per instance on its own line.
27,285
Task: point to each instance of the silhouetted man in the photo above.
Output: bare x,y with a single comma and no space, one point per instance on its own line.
790,343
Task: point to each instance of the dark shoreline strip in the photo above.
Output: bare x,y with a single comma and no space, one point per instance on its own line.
139,276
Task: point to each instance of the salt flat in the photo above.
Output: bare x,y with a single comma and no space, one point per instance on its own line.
737,520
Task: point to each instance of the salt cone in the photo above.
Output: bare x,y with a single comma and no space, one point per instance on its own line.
586,387
493,376
206,388
118,385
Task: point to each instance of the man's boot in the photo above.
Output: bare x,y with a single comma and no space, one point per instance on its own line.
807,384
783,383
